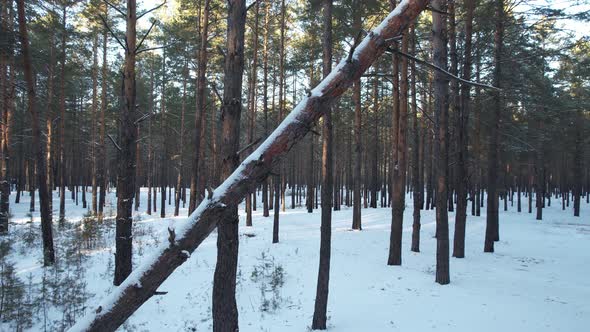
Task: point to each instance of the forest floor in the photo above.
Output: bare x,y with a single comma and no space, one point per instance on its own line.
537,280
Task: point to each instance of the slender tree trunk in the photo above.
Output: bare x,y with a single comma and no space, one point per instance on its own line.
137,167
462,140
179,179
578,161
417,175
49,120
7,93
46,228
196,193
102,162
93,148
358,148
279,185
310,177
252,103
164,152
492,232
374,181
225,311
150,167
400,118
62,122
477,137
265,203
539,171
441,111
126,172
321,299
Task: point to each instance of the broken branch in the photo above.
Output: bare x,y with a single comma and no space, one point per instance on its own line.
151,10
114,143
437,68
104,21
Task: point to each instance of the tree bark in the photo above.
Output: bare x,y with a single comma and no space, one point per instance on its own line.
196,193
462,140
252,103
400,118
417,174
539,170
101,171
179,180
358,145
492,226
150,166
46,227
265,202
62,122
126,172
279,184
7,93
578,161
441,111
164,152
478,173
321,298
93,148
225,310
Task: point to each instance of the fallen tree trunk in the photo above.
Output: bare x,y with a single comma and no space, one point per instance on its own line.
186,237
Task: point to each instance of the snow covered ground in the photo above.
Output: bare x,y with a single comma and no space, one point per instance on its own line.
537,280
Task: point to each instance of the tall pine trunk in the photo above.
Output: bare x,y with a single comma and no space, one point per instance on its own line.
492,224
225,311
441,111
126,160
462,141
46,227
62,122
400,118
7,93
196,192
179,179
102,161
358,145
321,300
279,186
265,202
252,103
93,147
416,152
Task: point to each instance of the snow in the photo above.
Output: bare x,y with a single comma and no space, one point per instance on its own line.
537,280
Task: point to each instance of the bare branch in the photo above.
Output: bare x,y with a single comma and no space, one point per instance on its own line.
436,10
249,146
354,45
214,88
120,11
144,36
437,68
114,143
143,118
104,21
152,48
151,10
251,5
221,51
